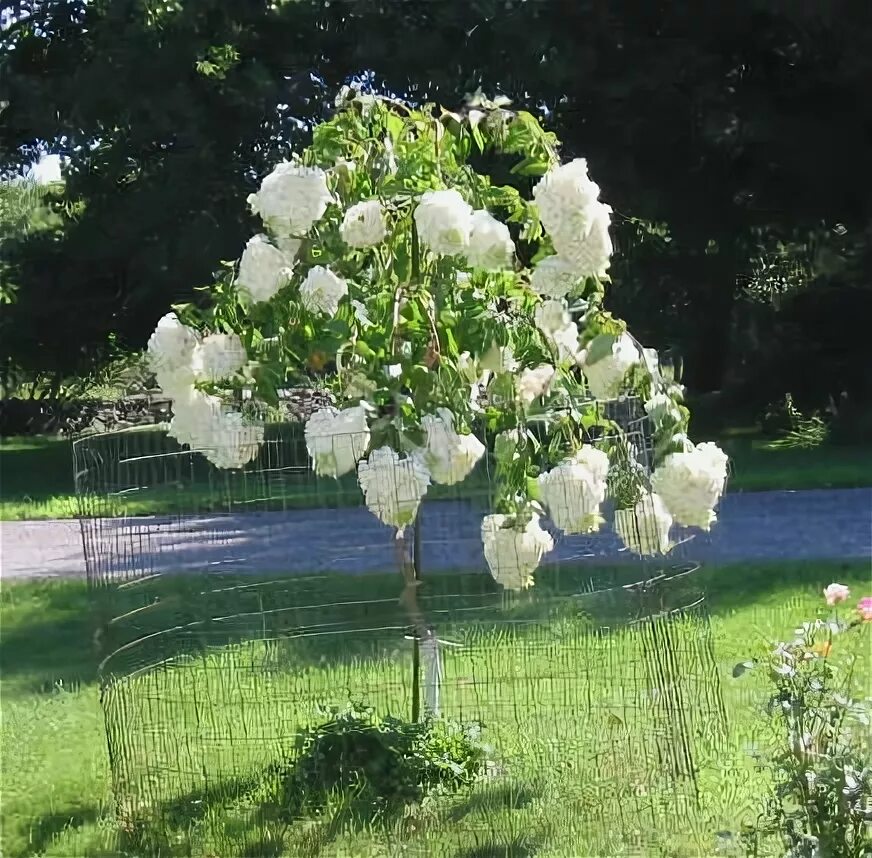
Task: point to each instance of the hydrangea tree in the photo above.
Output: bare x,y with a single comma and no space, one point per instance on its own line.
447,274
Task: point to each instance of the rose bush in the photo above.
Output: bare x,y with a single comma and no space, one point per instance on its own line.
434,304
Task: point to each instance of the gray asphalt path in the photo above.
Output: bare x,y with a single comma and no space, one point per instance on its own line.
826,524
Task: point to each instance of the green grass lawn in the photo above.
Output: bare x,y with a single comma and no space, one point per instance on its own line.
36,477
220,673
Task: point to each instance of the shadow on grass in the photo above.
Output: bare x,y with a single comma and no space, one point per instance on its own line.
48,635
487,800
519,847
57,631
46,828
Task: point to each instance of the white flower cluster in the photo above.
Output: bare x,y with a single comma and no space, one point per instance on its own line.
533,383
512,553
263,269
605,376
449,456
444,222
644,529
578,223
447,225
337,440
222,435
393,487
553,319
662,410
170,349
180,358
218,356
322,290
554,277
290,202
363,224
574,490
490,245
292,198
691,483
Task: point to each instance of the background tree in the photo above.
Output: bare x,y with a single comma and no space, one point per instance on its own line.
717,135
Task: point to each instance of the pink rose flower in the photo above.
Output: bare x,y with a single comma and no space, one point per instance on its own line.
836,593
864,609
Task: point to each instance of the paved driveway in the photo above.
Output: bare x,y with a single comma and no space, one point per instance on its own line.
827,524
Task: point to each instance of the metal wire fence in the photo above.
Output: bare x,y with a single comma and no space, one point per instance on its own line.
234,606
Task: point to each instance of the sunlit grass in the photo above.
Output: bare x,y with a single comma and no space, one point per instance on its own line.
228,705
36,480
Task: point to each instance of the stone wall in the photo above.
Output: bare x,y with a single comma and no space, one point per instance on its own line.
40,417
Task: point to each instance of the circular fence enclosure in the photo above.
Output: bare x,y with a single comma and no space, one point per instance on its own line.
236,608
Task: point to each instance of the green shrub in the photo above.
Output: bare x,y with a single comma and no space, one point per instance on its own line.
821,806
380,764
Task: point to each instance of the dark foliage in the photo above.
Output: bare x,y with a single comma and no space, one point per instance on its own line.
713,134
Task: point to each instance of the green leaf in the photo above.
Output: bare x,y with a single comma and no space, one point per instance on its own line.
742,667
395,126
533,489
600,347
531,166
478,137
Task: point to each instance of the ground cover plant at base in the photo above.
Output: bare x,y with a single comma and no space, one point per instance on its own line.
57,799
379,764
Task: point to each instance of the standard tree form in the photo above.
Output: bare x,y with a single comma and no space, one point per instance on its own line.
435,304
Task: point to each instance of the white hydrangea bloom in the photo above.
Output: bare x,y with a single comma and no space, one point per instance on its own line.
322,290
644,529
292,198
363,224
172,344
490,246
289,245
174,382
662,409
513,554
565,341
552,318
680,439
195,416
573,491
337,440
554,277
565,197
444,222
605,377
552,315
218,356
691,483
234,441
263,269
588,254
448,455
533,383
393,487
